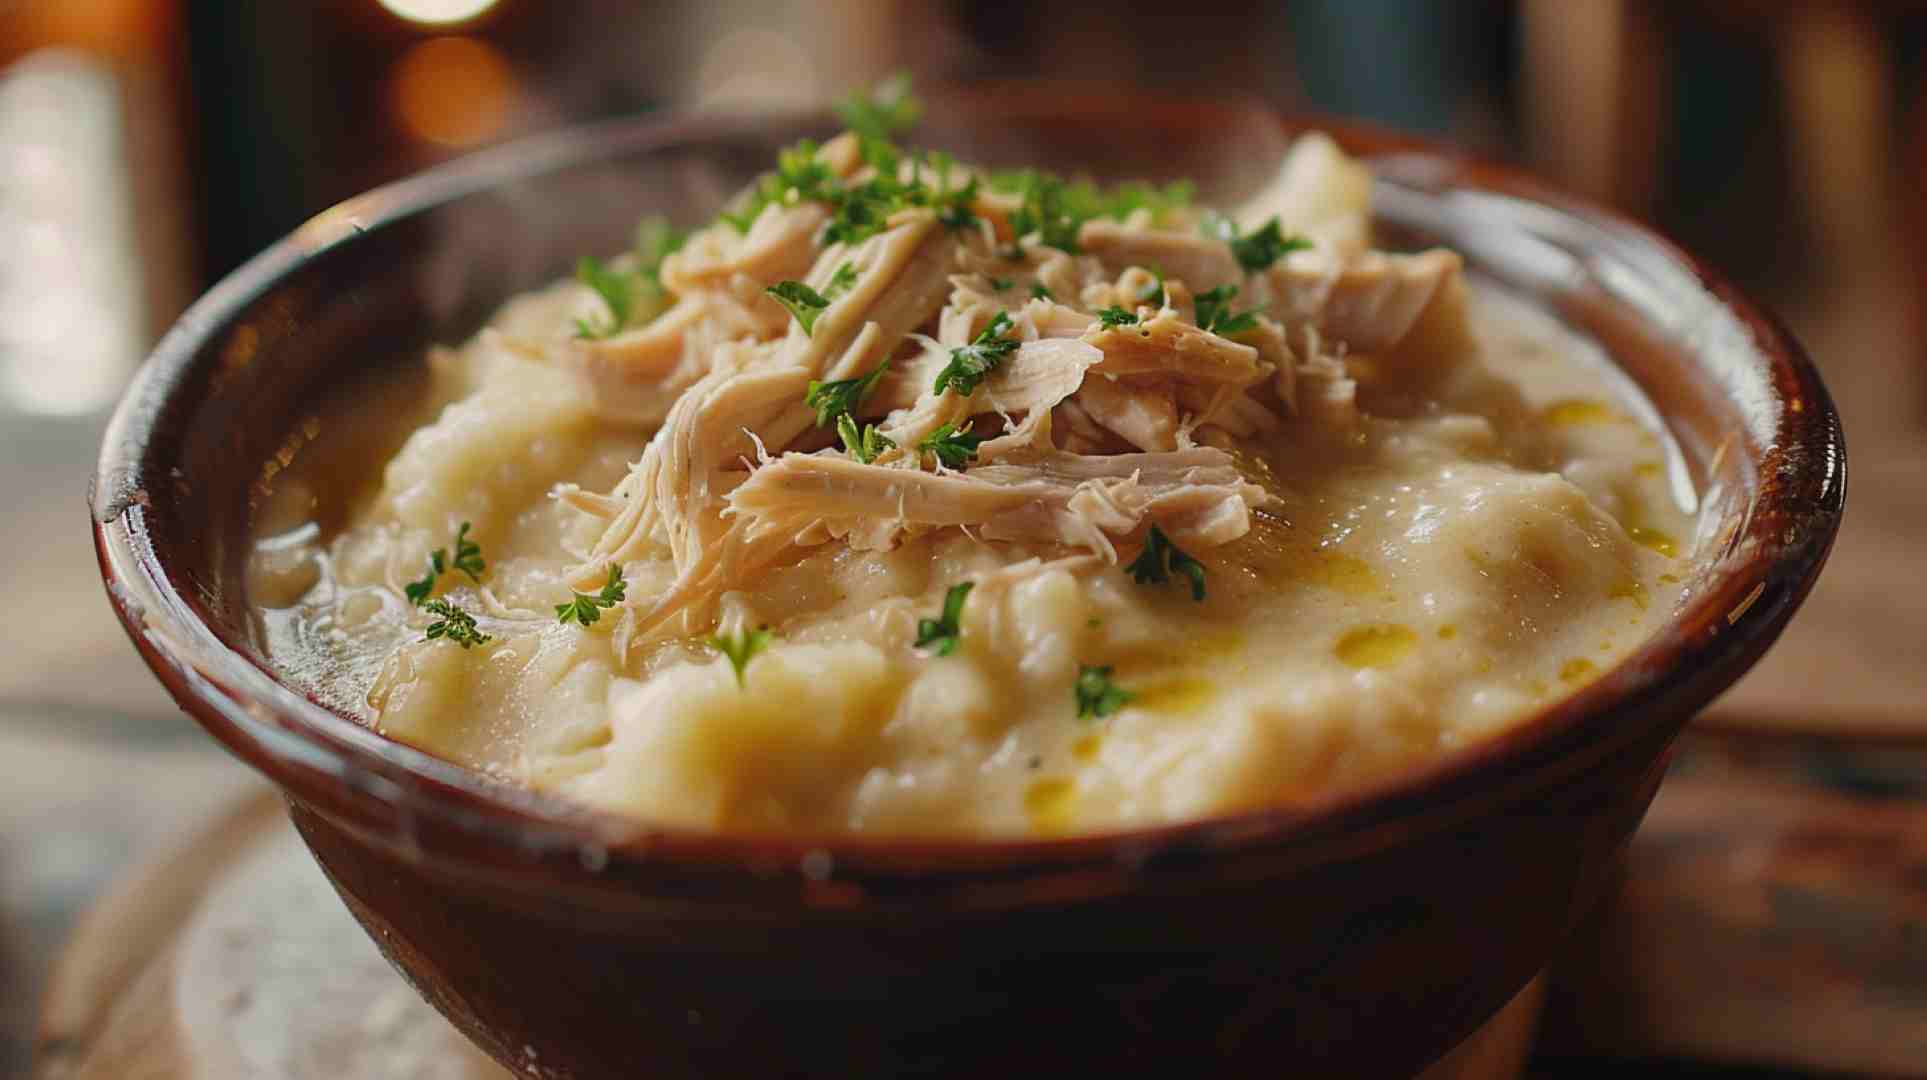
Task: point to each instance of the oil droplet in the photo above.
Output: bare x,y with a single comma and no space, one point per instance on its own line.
1337,571
1376,646
1048,802
1655,539
1630,590
1576,670
1086,747
1448,632
1180,695
1575,412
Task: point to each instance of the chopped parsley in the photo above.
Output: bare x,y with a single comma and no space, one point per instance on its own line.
952,447
1096,695
419,591
887,109
632,296
1001,283
585,609
803,302
863,444
656,240
840,397
1153,566
1155,291
617,291
1214,313
970,363
942,634
1259,248
454,624
1039,292
806,303
468,559
1055,208
740,647
799,177
1113,317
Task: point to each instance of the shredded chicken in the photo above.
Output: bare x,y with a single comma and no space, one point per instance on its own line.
1077,434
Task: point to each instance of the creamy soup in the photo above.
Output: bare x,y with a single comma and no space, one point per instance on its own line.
907,498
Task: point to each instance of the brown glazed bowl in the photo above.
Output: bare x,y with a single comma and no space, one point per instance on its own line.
1359,936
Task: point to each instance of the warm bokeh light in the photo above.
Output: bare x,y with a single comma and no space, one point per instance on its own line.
437,12
455,91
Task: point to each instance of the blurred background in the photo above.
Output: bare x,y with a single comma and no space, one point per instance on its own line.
147,147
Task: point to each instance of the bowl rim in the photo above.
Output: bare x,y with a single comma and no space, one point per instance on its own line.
388,788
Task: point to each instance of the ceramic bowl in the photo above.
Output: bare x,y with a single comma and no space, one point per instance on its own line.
1361,935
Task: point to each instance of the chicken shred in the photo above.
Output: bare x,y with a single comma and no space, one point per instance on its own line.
1083,433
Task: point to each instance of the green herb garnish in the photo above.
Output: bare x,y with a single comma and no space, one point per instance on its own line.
1259,248
1095,693
419,591
1001,283
802,301
951,446
942,634
1214,313
1113,317
617,290
468,559
1160,556
1039,292
840,397
863,444
887,109
970,363
740,648
454,624
585,609
806,303
1155,292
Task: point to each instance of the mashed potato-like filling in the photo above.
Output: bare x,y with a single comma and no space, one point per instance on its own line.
1416,509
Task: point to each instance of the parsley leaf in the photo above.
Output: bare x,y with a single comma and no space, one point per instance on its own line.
841,281
1259,248
585,609
1001,283
1160,556
468,559
863,445
740,647
454,624
970,363
1095,693
887,109
951,446
799,177
1155,292
468,555
942,634
840,397
656,240
418,591
804,302
1214,313
617,290
1039,292
1113,317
